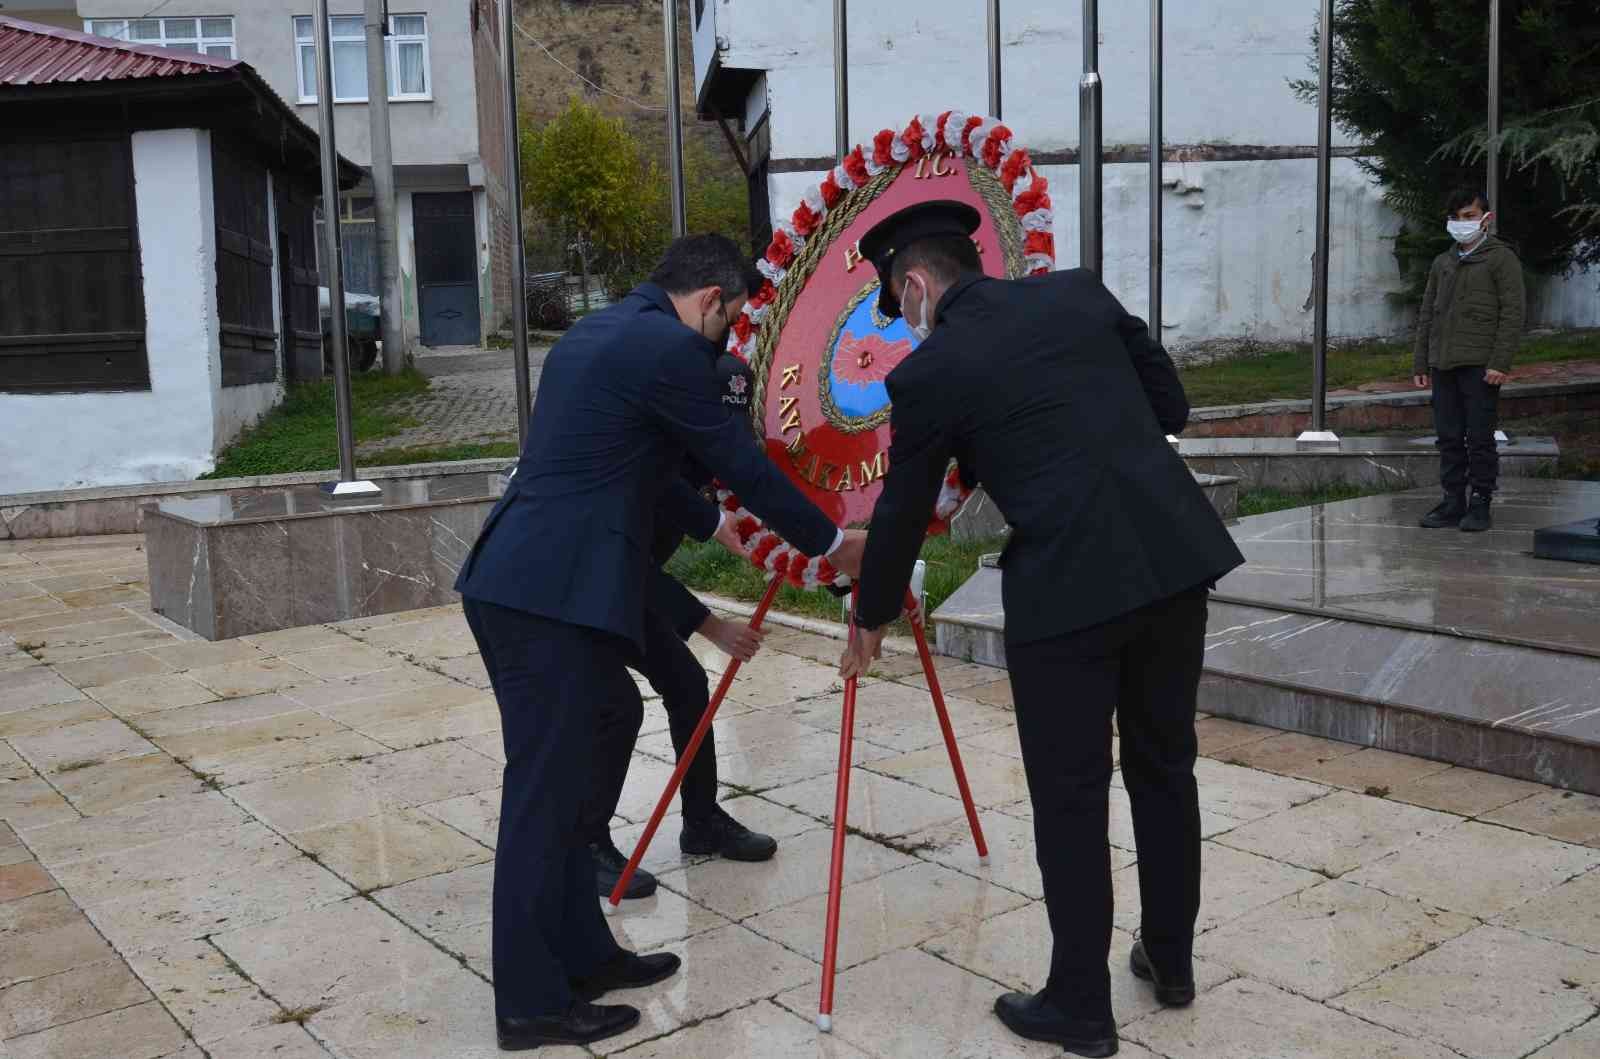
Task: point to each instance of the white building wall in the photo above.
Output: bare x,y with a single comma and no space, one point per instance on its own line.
166,433
1238,235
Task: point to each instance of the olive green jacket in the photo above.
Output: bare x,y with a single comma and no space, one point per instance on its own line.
1472,311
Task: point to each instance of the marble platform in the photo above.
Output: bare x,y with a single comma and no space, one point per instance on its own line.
1393,461
1351,622
232,564
981,519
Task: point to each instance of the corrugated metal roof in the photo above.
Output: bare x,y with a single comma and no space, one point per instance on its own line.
32,54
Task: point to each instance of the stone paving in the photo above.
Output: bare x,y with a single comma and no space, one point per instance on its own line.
473,399
281,846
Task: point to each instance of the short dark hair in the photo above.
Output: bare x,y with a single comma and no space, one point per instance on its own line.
1465,196
945,257
696,262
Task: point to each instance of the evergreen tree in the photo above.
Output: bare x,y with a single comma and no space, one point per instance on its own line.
1410,78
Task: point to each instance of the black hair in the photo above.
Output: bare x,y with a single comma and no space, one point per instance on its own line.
696,262
945,257
1465,196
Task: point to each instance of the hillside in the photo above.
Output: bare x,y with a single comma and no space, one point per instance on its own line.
619,45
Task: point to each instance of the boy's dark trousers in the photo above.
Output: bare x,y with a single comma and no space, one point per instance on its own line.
1465,411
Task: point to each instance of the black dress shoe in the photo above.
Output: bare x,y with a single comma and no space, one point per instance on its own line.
1172,992
1035,1017
722,835
582,1024
608,865
627,971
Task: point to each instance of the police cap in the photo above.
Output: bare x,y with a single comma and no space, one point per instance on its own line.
900,229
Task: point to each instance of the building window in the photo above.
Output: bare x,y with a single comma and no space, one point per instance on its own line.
208,36
358,243
409,74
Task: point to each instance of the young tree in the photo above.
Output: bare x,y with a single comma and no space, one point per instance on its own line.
584,173
1411,75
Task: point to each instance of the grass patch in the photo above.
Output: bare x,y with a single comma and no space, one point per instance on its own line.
1285,374
709,568
299,434
1262,501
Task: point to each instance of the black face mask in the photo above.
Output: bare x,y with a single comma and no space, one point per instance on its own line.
720,340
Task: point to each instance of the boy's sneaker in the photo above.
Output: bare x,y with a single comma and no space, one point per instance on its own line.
1477,518
1449,512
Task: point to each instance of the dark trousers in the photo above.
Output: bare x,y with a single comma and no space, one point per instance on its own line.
677,676
1145,665
1465,411
547,676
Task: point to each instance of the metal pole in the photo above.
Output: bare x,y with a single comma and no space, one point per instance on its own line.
1319,337
1492,185
680,218
391,315
994,59
841,82
1155,169
1090,220
513,178
333,262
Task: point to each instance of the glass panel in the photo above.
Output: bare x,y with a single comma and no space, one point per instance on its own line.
308,73
183,45
410,75
217,27
220,51
146,29
181,28
302,28
410,26
349,70
349,26
361,208
117,30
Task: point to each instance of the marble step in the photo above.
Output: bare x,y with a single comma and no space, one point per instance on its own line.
1350,622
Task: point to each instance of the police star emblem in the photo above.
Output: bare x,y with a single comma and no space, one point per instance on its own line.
738,385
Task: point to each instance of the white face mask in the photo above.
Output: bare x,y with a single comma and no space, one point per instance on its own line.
1464,231
925,327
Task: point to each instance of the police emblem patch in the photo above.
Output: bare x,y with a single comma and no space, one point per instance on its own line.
738,385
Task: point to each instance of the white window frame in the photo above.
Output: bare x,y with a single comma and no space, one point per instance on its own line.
201,41
392,42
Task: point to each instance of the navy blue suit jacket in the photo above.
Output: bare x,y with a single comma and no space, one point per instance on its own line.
625,395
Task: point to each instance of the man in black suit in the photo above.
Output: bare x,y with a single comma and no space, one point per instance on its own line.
1058,401
554,591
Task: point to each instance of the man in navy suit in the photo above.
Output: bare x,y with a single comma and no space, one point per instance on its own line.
672,615
554,591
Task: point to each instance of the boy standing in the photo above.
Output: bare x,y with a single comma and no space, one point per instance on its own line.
1467,332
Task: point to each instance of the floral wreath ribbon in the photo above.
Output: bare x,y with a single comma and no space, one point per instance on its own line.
982,140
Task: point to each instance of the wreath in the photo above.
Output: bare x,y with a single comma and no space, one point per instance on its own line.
985,141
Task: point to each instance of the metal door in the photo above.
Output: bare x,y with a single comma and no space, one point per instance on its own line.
447,268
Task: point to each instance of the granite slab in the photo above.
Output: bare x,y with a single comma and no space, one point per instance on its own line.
1391,461
1575,542
228,565
1350,624
1368,560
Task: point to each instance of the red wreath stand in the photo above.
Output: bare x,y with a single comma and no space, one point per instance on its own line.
841,800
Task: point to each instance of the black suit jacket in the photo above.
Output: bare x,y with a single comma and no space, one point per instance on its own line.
1055,398
624,396
683,511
